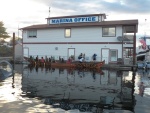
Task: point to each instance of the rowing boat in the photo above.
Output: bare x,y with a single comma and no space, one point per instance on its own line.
89,65
57,64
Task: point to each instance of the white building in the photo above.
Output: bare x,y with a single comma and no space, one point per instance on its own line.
18,52
88,34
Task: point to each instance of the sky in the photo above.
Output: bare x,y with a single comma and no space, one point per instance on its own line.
21,13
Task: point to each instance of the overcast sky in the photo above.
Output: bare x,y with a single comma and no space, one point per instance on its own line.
21,13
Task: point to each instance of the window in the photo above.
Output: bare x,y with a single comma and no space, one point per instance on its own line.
32,33
67,33
109,31
113,55
128,52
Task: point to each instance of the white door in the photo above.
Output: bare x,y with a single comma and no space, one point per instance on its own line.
26,52
71,52
105,55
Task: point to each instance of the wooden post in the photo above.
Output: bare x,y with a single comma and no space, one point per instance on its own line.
134,46
13,61
13,47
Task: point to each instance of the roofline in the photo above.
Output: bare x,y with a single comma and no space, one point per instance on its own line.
70,25
77,16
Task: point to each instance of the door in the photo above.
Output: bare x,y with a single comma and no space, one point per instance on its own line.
26,52
71,53
105,55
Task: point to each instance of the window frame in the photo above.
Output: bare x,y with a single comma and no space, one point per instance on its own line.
32,33
111,55
65,33
108,32
128,51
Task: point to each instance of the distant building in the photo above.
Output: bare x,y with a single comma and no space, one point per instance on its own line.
18,52
88,34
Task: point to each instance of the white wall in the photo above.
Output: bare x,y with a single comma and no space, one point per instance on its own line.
88,49
82,34
18,52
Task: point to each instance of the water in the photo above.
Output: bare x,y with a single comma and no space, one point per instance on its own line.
47,90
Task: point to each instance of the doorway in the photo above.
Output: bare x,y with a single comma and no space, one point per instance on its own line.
26,52
105,55
71,53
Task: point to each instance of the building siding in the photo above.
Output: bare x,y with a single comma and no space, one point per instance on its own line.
93,34
47,40
88,49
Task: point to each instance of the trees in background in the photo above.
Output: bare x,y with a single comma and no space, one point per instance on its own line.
3,33
4,50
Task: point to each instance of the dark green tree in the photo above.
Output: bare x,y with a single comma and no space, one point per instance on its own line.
3,33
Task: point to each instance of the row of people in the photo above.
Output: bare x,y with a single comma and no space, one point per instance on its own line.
81,58
42,60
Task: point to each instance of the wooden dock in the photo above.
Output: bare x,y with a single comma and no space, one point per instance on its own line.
120,67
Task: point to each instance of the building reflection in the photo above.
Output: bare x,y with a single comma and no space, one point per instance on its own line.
86,90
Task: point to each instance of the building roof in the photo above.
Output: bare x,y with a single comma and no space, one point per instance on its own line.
102,14
88,24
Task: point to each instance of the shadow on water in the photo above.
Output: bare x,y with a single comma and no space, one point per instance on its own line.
85,90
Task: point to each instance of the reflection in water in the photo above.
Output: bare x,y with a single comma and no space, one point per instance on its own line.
86,90
141,89
143,82
76,90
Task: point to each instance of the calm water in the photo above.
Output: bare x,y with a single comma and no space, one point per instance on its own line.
73,91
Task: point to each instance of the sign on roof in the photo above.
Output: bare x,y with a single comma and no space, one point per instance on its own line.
74,20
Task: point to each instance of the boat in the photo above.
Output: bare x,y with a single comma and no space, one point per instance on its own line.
75,64
89,65
143,65
143,60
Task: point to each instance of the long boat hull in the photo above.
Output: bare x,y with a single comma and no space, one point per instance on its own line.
88,65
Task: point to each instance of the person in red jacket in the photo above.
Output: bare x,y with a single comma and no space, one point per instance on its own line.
42,60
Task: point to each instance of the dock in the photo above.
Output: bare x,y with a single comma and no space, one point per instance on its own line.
120,67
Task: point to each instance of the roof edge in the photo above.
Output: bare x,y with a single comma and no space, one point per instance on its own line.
77,16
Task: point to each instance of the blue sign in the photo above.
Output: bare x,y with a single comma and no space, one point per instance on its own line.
74,20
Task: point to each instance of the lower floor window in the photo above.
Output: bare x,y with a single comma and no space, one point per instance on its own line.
113,55
128,52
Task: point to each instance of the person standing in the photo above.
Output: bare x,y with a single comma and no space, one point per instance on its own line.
42,60
94,57
81,59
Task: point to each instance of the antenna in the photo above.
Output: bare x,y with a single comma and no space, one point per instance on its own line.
49,11
145,29
18,30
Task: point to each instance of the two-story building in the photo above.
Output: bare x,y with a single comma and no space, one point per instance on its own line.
67,36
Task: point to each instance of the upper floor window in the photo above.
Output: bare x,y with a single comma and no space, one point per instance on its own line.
32,33
109,31
68,33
